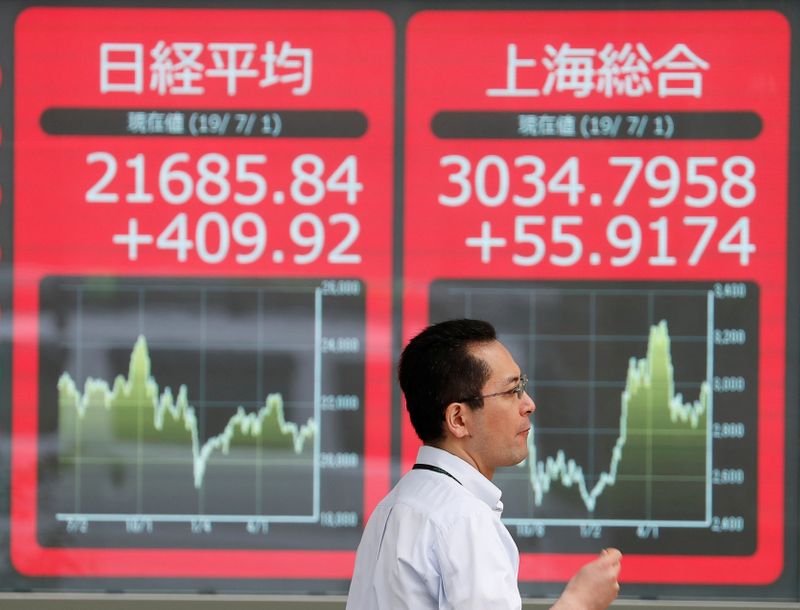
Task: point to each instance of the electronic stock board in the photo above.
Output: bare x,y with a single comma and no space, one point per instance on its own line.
222,223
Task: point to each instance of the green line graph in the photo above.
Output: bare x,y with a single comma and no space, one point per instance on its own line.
197,412
134,408
649,402
646,423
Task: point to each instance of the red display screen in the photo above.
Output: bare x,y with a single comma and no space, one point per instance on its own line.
610,189
202,248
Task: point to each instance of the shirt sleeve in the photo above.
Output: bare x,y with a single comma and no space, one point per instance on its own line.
476,569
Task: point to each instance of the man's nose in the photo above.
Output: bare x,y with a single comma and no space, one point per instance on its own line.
529,405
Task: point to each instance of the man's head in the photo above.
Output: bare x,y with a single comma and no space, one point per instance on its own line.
437,368
466,394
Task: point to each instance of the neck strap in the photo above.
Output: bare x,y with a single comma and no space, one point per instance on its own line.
434,469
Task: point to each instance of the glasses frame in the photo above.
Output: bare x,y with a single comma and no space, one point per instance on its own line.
518,389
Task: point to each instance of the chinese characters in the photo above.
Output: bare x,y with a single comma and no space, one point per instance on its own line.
183,68
627,71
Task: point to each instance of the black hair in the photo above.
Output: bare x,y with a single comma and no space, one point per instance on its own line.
436,369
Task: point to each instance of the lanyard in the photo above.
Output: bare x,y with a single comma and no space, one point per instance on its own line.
434,469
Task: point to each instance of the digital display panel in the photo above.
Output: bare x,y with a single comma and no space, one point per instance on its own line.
220,224
204,279
609,188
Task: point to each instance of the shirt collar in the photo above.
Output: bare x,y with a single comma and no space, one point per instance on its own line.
469,476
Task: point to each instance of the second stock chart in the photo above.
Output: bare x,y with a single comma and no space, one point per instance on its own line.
645,297
642,436
184,412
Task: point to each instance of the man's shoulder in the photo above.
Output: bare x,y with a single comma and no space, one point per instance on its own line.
435,497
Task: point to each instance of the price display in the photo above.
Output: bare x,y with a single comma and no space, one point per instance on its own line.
610,190
202,277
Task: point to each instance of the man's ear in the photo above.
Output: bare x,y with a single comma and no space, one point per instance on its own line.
456,419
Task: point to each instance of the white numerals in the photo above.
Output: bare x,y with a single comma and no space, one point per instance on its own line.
215,178
214,239
660,181
561,241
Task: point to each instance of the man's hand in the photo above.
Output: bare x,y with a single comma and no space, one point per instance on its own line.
594,586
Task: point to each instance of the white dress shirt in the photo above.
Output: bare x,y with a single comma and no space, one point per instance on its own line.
434,542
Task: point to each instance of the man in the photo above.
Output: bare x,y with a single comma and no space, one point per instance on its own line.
436,540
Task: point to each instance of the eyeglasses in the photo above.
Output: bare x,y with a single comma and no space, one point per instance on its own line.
518,389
